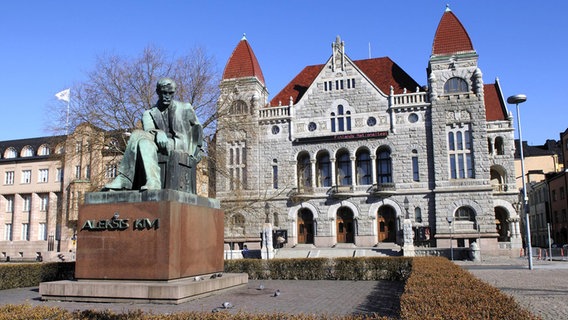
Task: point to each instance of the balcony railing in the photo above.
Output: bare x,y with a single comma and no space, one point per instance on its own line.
383,189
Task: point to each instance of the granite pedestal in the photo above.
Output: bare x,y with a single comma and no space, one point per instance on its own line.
158,246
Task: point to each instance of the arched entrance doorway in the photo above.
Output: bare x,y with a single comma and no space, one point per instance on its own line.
345,230
501,224
386,218
305,226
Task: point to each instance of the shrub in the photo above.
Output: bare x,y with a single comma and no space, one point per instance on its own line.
19,275
438,289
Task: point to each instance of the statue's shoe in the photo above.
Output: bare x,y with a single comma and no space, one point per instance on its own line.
151,185
117,184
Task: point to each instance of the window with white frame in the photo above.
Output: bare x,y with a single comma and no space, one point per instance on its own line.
237,165
9,203
8,232
111,169
25,231
59,174
10,153
88,171
43,202
42,232
43,175
460,153
43,150
9,177
27,203
77,172
26,176
27,151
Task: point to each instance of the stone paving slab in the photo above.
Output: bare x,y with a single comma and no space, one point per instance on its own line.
296,297
543,290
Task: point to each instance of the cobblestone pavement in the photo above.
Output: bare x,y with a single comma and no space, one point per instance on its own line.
297,296
543,290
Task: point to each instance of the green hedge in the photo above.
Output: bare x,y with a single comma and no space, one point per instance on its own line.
363,268
19,275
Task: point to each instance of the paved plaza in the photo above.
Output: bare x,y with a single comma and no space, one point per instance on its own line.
543,290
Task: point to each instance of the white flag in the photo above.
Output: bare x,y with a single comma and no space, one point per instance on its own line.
64,95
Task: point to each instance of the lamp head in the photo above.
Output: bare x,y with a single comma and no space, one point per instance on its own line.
516,99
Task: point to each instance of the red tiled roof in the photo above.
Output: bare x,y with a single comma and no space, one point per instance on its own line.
383,72
451,36
243,63
494,108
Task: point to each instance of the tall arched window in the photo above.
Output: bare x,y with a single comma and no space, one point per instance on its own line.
384,166
344,174
460,152
364,168
323,167
455,85
304,171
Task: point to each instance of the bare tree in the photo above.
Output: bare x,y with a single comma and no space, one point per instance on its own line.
118,89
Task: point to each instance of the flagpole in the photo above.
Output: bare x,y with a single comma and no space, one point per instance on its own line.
67,120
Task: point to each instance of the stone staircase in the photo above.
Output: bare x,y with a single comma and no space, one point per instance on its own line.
340,250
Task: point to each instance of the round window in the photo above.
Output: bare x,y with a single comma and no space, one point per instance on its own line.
371,121
312,126
412,118
275,129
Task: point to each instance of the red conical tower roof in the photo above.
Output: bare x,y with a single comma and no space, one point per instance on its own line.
451,36
243,63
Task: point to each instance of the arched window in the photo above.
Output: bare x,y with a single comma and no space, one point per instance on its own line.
384,166
43,150
323,167
10,153
304,171
27,151
341,121
460,152
455,85
364,168
344,168
465,214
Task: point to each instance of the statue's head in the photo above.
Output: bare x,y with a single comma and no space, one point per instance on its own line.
165,89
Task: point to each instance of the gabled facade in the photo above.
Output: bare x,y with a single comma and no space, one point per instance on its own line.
350,148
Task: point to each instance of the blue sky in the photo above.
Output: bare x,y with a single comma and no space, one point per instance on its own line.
47,46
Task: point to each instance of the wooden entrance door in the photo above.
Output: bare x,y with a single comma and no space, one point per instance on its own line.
305,226
345,229
386,225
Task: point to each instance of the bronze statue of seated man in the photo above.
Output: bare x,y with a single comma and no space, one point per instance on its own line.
171,131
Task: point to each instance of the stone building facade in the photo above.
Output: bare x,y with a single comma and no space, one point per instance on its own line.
350,148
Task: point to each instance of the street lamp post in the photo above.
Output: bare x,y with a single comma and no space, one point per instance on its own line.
450,219
517,99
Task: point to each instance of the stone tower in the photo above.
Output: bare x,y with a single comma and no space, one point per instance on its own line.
459,136
243,93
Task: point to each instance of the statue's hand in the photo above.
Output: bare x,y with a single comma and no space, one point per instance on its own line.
162,140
